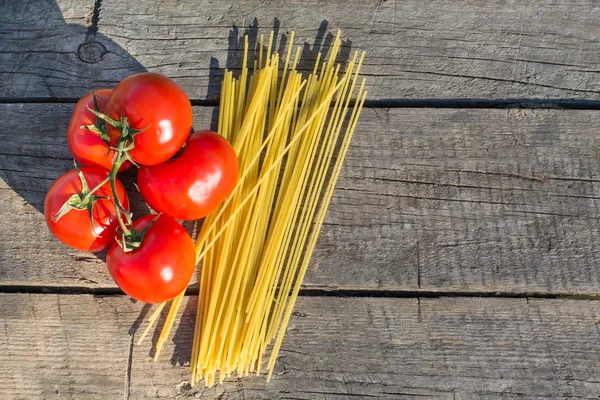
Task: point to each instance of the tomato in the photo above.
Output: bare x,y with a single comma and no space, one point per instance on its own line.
195,183
74,228
161,267
157,103
87,147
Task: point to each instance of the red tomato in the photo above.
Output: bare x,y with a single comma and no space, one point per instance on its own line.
86,146
195,183
74,228
157,103
161,267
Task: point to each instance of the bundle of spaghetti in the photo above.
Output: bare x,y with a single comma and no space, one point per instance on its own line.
291,135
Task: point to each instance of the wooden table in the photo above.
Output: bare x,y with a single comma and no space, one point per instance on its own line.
460,256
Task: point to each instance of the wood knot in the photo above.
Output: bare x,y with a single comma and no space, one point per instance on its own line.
91,52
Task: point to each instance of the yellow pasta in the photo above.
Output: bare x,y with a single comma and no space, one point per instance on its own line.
256,247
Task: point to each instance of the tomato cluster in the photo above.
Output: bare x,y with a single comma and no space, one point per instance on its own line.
144,121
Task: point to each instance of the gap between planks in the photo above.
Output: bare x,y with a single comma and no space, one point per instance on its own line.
475,103
316,292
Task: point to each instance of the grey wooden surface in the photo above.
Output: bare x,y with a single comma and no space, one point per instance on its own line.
477,49
449,234
80,346
436,200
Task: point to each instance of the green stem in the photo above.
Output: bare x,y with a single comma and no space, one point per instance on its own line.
131,239
98,186
112,176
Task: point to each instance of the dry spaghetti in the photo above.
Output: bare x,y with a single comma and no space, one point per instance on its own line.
291,135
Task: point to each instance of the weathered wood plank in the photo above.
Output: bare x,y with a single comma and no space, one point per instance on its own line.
57,346
79,347
467,200
445,200
39,48
416,49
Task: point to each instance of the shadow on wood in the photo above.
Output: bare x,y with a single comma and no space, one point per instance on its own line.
235,54
27,153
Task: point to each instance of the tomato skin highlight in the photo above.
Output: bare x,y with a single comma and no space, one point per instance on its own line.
157,103
73,228
86,146
161,267
195,183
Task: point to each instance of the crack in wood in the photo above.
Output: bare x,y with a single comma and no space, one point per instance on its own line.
128,372
92,51
418,262
93,28
505,80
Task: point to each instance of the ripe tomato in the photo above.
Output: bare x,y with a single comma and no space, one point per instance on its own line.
161,267
87,147
74,228
157,103
195,183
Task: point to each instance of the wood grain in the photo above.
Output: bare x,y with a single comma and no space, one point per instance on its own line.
467,200
437,200
67,347
78,346
436,49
